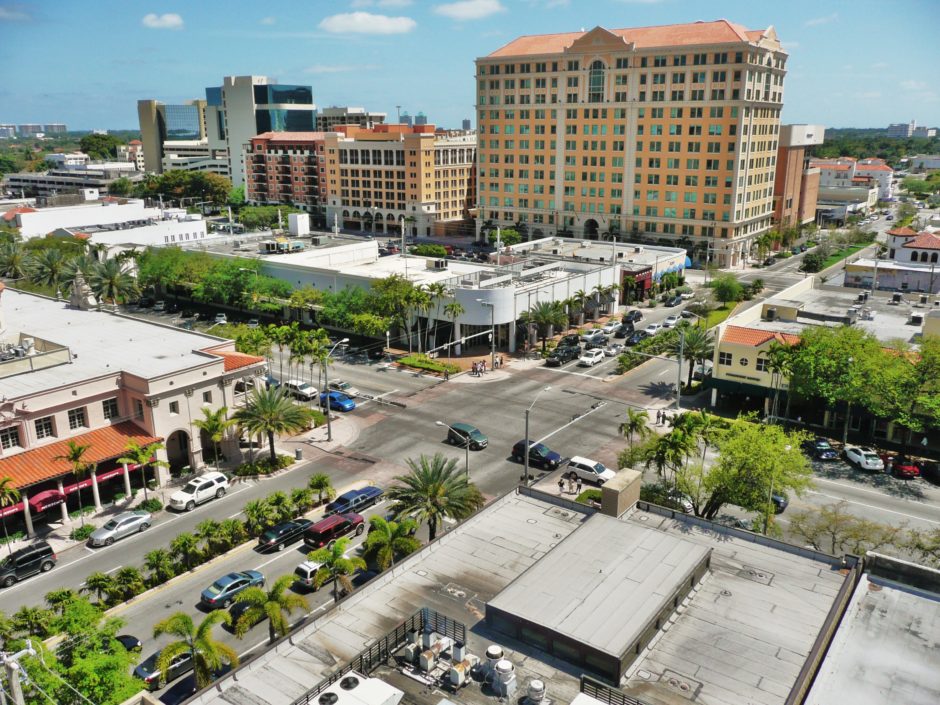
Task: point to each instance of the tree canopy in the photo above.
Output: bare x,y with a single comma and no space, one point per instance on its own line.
100,146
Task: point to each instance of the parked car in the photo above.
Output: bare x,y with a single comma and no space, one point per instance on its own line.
212,485
326,531
589,358
159,307
300,390
253,323
610,327
187,313
687,295
572,340
463,434
354,500
283,534
147,669
864,458
769,261
702,370
623,330
613,349
821,449
588,470
653,328
220,318
636,337
221,593
560,355
901,466
598,342
889,217
682,500
305,574
36,558
930,471
145,302
685,313
780,503
673,301
341,385
671,321
593,336
337,401
634,316
124,524
130,643
539,454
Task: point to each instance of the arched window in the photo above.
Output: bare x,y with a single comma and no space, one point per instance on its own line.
933,257
596,82
923,256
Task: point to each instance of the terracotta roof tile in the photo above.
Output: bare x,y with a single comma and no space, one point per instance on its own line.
38,464
873,167
902,232
924,241
830,166
755,337
692,33
8,216
237,360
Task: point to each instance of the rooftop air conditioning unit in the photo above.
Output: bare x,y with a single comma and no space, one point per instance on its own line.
316,240
637,249
771,314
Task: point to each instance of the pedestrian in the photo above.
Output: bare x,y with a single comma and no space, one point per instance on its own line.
446,375
579,485
561,485
476,369
483,366
659,417
500,361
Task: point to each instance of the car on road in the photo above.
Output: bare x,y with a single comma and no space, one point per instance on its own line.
539,454
572,340
283,534
636,337
673,301
36,558
624,329
930,471
702,370
212,485
593,336
221,593
653,328
326,531
253,323
613,349
901,466
463,434
147,669
687,295
341,385
131,643
560,355
820,449
337,401
354,500
769,261
780,503
300,390
305,575
588,470
589,358
864,458
124,524
633,316
889,217
671,321
685,313
220,318
610,327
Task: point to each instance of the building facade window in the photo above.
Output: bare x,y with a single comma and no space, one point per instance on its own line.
724,358
109,408
596,82
762,364
77,418
207,397
138,409
10,437
174,407
44,427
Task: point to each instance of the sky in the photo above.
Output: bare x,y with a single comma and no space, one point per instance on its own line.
861,63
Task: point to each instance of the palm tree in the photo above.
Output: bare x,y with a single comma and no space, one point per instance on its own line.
270,412
99,584
185,549
389,540
142,457
231,533
779,359
545,316
433,490
280,506
48,267
58,599
33,621
419,301
112,281
214,424
696,347
208,654
159,565
454,310
322,485
276,604
259,516
636,425
83,263
335,565
280,336
581,296
14,261
75,456
128,582
207,531
9,496
436,291
301,498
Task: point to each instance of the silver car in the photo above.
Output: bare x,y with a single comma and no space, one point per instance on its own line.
118,527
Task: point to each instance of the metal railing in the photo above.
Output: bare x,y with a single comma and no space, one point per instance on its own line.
606,694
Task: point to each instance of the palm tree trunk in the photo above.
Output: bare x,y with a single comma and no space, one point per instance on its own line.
6,535
335,588
81,514
432,529
272,635
271,443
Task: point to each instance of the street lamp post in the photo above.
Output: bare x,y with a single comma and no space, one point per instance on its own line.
526,449
492,308
770,497
466,446
326,382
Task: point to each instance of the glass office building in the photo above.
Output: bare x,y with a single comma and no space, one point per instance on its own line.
285,120
279,94
182,122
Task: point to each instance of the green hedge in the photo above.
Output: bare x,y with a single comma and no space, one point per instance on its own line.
263,466
82,532
423,362
151,505
589,496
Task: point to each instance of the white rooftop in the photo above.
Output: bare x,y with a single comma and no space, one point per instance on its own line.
101,343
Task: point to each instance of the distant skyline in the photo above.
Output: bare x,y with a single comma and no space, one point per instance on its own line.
852,64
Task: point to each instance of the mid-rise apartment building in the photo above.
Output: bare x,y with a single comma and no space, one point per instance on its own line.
845,172
796,184
330,118
288,167
55,128
668,133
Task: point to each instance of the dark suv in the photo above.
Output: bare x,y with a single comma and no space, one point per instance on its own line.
25,562
463,434
562,354
326,531
539,455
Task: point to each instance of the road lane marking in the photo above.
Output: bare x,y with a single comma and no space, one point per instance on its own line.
859,489
279,555
251,648
108,572
875,507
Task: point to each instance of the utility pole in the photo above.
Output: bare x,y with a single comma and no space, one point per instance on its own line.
11,663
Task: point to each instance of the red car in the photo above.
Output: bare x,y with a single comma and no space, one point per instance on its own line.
901,466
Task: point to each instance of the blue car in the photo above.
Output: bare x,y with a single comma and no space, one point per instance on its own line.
354,500
539,455
221,593
337,401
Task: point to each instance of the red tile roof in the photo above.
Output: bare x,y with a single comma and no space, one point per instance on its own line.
693,33
135,142
830,166
873,167
902,232
38,464
924,241
755,338
10,215
237,360
289,136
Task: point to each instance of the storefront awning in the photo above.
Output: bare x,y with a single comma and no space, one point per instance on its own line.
11,509
45,500
86,482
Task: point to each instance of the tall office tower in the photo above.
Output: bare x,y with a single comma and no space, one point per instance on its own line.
902,130
27,129
162,123
252,105
421,119
406,119
660,133
466,124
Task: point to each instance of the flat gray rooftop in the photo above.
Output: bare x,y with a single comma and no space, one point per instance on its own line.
743,634
580,589
885,650
101,343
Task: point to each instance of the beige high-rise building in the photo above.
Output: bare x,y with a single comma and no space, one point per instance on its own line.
662,133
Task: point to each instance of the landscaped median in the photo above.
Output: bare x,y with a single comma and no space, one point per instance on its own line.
421,361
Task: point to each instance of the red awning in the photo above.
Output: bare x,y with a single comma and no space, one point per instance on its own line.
12,509
86,483
42,501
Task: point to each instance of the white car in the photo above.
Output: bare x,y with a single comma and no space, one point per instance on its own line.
683,500
687,295
341,385
221,318
653,328
589,358
212,485
671,321
301,390
865,458
589,470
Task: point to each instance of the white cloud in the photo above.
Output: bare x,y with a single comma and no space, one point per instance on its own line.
470,9
366,23
912,85
13,13
816,21
338,68
170,20
268,20
382,3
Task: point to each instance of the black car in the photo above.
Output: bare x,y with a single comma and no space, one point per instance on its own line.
597,342
539,454
769,261
129,642
673,301
820,449
780,503
559,356
35,558
354,500
636,337
633,316
573,340
277,537
624,329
